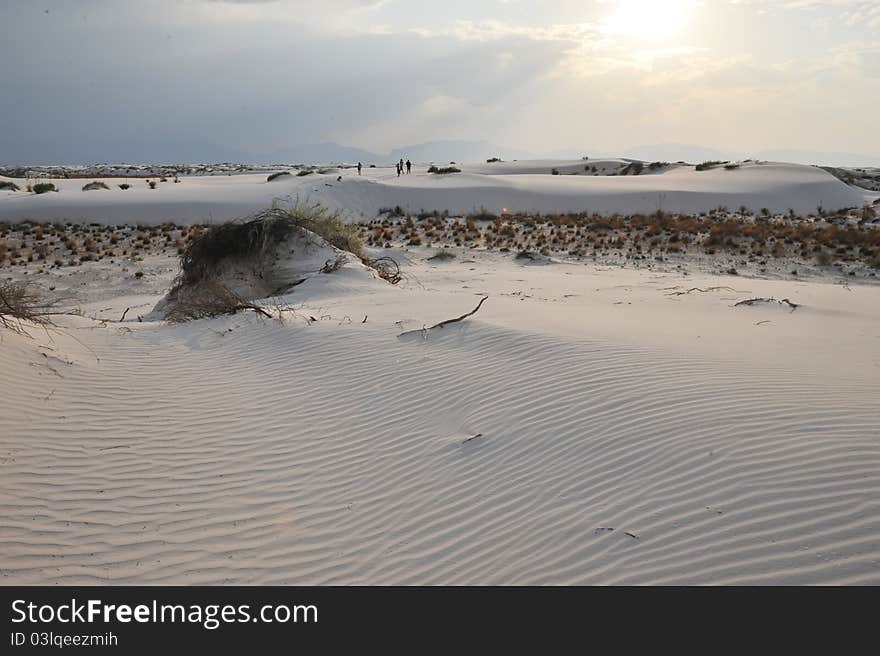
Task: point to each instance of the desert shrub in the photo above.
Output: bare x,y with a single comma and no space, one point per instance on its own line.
633,168
710,164
653,166
554,172
21,304
43,187
275,176
304,172
492,160
257,238
731,167
443,170
152,184
9,186
483,215
125,186
823,258
442,256
93,186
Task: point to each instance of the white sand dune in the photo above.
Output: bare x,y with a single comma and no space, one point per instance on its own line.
625,435
516,187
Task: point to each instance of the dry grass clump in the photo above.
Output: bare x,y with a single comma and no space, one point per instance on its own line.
97,184
328,225
275,176
208,297
199,292
443,170
21,304
9,186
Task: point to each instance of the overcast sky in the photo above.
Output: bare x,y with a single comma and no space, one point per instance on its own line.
211,77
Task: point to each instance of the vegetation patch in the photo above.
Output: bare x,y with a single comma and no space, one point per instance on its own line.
20,305
710,164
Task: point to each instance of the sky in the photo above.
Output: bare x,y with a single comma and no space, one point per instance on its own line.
202,80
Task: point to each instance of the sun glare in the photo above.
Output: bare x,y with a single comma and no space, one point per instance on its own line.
650,19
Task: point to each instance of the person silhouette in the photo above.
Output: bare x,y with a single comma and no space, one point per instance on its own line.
408,167
398,169
360,166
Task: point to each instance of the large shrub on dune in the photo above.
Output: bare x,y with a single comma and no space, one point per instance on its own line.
243,254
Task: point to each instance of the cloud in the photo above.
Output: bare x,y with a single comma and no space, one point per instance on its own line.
203,77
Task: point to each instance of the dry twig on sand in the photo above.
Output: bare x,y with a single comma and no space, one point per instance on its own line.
704,291
755,301
448,321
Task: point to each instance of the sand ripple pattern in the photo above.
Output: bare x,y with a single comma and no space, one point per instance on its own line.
341,455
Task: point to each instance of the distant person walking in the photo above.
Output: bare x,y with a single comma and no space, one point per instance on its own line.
408,167
401,165
398,169
360,166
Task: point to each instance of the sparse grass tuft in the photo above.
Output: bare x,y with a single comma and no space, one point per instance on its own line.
443,170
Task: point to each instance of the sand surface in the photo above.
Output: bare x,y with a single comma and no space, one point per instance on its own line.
591,424
587,425
499,187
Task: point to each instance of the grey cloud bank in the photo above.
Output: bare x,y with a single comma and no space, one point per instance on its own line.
225,80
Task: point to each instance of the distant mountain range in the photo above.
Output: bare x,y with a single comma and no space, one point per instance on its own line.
434,151
94,149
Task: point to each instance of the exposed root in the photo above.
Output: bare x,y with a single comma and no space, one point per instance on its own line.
387,268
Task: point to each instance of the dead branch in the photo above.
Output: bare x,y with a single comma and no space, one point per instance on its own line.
462,317
704,291
424,331
755,301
